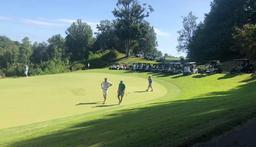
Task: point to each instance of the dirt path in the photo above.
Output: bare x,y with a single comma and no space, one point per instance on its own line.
243,136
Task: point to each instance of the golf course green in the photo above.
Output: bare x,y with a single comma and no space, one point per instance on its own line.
43,98
66,110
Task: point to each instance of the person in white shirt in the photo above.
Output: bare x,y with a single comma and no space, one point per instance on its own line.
104,86
26,70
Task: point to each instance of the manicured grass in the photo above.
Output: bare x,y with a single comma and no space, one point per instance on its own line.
181,111
36,99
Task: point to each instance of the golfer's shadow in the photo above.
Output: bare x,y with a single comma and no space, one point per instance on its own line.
144,91
104,106
92,103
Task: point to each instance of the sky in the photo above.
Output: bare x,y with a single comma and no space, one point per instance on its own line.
41,19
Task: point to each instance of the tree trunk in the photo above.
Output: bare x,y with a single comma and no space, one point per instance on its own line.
127,48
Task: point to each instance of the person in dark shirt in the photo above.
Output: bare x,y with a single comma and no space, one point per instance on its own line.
150,84
121,91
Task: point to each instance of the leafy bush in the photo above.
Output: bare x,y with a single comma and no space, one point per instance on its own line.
53,67
15,70
2,74
35,70
102,58
77,66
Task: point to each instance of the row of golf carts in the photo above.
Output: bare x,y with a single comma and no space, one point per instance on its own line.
186,68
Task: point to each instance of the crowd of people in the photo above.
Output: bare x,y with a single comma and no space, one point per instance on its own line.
170,68
119,67
187,68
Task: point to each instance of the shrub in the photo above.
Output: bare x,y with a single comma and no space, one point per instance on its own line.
15,70
35,70
102,58
77,66
2,74
53,67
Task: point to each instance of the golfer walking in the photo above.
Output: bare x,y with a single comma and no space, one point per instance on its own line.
121,91
104,86
150,84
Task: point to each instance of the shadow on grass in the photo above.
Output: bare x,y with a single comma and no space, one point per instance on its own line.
92,103
104,105
228,76
200,76
179,123
253,78
143,91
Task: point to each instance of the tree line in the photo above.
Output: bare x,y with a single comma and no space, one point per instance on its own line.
228,32
128,33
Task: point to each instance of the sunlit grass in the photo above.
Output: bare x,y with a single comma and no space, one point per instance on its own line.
182,110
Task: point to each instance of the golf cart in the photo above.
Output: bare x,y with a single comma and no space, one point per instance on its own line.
174,68
190,68
242,66
213,67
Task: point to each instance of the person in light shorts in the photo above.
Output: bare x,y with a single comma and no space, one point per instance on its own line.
105,86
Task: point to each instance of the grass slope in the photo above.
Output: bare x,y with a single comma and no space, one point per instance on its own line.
194,108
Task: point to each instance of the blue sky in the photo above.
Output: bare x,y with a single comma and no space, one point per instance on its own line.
40,19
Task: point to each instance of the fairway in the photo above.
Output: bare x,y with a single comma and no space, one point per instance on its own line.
128,73
65,109
36,99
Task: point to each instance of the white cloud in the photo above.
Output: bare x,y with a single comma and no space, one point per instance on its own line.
162,33
64,20
41,22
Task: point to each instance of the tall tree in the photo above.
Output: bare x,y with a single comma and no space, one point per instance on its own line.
186,34
214,37
40,53
9,52
246,40
106,37
56,47
148,41
25,51
79,40
130,14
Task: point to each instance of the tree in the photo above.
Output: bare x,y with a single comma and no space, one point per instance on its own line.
148,42
79,40
129,16
40,53
25,51
250,10
9,52
56,47
214,37
186,34
246,40
106,37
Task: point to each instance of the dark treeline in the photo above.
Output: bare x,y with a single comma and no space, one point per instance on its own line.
228,32
128,33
